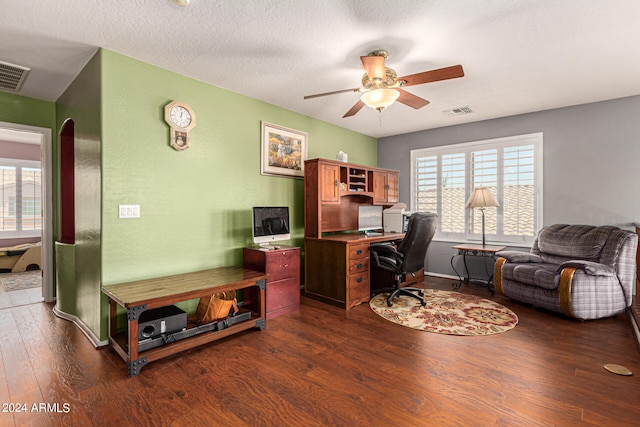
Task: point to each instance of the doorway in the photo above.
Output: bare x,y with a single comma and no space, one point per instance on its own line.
24,134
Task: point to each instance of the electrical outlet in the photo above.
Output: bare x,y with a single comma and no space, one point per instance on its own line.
128,211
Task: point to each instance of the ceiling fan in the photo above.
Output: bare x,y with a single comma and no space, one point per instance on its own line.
381,86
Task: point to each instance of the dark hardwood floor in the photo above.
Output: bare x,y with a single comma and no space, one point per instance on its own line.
324,366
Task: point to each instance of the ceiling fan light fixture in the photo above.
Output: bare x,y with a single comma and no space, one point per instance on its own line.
379,99
182,3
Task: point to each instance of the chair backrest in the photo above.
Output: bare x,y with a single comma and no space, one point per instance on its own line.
563,242
420,231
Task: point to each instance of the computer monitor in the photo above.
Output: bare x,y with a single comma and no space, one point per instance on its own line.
369,218
270,224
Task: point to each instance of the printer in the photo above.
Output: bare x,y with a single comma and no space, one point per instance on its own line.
395,218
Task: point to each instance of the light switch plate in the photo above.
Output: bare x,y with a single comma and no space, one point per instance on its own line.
128,211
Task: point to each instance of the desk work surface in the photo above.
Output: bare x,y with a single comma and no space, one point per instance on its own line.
133,293
359,237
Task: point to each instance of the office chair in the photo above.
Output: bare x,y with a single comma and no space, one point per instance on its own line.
408,257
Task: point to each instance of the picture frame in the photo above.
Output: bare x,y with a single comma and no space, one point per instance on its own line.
283,151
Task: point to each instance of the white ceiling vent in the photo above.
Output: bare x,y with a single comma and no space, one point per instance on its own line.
12,76
458,111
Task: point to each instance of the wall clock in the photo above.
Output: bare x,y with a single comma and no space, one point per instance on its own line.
181,120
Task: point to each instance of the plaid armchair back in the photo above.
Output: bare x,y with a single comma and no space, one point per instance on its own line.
607,245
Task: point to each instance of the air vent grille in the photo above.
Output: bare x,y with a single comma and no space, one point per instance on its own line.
12,76
458,111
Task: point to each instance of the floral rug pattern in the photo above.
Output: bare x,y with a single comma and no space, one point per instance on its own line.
17,281
446,312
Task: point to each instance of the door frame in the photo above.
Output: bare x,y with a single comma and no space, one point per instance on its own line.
46,161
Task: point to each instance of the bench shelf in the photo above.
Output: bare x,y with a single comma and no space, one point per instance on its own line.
136,297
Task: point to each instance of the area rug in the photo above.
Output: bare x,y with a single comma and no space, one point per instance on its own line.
446,312
18,281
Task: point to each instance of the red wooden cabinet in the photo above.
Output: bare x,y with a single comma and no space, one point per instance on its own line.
282,291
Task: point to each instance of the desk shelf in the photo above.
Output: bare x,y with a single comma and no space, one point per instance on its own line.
363,193
333,191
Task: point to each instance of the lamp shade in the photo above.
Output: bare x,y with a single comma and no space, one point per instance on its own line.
482,197
380,99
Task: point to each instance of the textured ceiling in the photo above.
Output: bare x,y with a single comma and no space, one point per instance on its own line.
518,55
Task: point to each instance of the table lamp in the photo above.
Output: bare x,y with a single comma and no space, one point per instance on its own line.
482,198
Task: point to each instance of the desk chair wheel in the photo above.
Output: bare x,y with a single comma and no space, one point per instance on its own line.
423,303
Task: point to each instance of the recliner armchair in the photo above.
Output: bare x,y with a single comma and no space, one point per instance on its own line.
408,257
582,271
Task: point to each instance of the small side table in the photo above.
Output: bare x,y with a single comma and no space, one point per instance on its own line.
465,250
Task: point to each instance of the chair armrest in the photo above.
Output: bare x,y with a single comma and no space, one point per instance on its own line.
386,256
589,267
518,256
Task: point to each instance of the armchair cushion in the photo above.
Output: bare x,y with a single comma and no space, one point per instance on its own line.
589,267
542,275
518,256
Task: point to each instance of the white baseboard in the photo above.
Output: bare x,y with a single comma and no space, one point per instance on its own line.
443,276
80,324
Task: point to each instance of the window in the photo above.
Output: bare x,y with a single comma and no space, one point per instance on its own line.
443,178
20,204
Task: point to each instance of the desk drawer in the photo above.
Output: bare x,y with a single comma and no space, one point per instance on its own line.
358,251
358,265
358,287
283,293
283,265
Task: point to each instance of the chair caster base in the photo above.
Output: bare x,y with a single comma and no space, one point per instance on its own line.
407,292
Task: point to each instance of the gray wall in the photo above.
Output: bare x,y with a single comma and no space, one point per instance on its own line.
591,163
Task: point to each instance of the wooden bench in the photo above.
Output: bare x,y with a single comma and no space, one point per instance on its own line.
136,297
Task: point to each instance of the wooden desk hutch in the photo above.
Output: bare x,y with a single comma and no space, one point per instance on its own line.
337,268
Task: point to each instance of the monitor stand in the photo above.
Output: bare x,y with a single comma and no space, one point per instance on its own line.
372,233
266,247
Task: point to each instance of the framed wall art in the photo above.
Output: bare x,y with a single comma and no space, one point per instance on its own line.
284,151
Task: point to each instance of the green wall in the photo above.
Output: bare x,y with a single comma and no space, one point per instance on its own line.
78,265
28,111
195,204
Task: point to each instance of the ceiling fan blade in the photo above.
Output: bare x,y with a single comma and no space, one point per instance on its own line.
374,67
446,73
354,109
332,93
411,100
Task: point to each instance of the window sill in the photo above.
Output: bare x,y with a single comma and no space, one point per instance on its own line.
14,235
476,242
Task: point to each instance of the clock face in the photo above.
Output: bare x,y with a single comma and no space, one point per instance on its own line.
180,116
